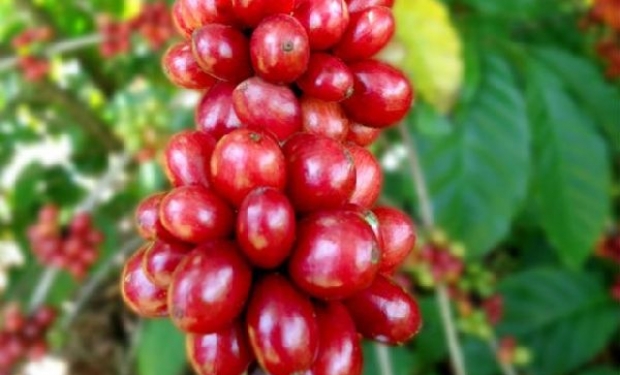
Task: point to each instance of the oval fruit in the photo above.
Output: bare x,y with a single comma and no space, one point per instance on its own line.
141,295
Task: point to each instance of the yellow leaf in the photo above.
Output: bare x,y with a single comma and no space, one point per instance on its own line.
433,50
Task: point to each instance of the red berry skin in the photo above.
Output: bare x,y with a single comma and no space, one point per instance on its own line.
252,12
335,255
244,160
226,352
139,293
202,12
362,135
327,78
369,178
282,327
161,259
266,227
179,21
398,235
382,95
325,21
44,317
186,158
183,70
196,214
279,49
209,288
321,175
368,32
360,5
369,217
271,108
215,114
340,352
385,312
222,51
147,219
324,118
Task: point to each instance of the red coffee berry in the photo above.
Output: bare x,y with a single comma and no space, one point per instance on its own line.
222,51
360,5
325,21
323,118
215,114
182,69
368,32
398,236
252,12
369,178
147,219
179,21
139,293
202,12
161,259
186,158
327,78
362,135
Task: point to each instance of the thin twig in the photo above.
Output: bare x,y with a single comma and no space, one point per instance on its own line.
383,357
506,368
43,288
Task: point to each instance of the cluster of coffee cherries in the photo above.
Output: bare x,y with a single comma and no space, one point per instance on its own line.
269,249
153,23
23,336
604,17
28,45
73,248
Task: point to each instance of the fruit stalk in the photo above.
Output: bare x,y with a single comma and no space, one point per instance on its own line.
43,288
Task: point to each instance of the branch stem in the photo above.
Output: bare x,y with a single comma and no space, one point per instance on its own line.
383,358
44,285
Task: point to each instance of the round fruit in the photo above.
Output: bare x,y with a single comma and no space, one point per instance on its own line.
324,20
382,95
321,175
179,21
161,259
198,13
222,51
183,70
196,214
244,160
279,49
368,32
140,294
282,327
369,178
266,227
335,255
148,221
271,108
226,352
215,114
187,156
327,78
385,312
209,288
359,5
323,118
398,235
362,135
252,12
369,217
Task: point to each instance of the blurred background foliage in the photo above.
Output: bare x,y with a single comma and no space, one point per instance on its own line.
517,126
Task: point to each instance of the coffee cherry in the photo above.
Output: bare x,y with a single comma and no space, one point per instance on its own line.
226,352
324,20
382,95
280,49
327,78
183,70
196,214
369,179
265,227
161,259
321,175
335,255
139,293
282,327
252,12
360,5
323,118
202,12
385,312
398,236
186,158
215,114
222,51
368,32
147,216
179,21
209,288
362,135
271,108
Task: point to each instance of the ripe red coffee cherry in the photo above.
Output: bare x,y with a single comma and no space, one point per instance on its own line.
244,160
198,13
264,106
279,49
179,21
321,174
282,327
161,259
183,70
186,158
385,312
147,219
196,214
362,135
222,51
226,352
382,95
359,5
324,118
398,234
139,293
340,352
327,78
368,32
252,12
324,20
266,227
369,178
335,255
215,114
209,288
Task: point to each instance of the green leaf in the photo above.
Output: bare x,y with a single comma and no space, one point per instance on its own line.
572,172
401,358
601,371
479,358
565,318
430,346
477,175
161,350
